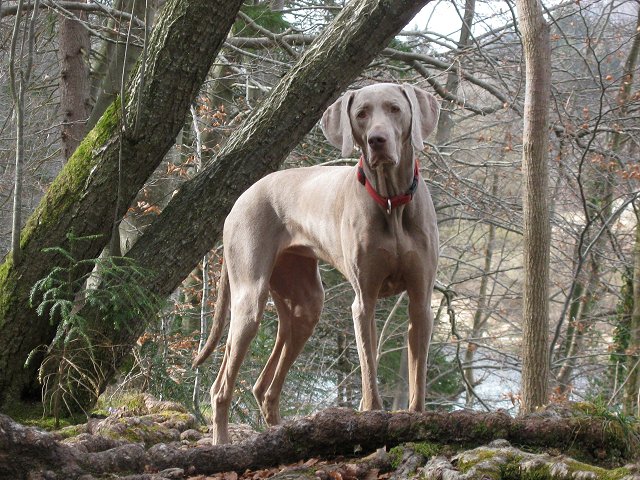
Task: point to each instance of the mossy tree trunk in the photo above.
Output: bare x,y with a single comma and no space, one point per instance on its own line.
257,148
84,197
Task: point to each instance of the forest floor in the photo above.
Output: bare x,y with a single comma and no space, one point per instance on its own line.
154,440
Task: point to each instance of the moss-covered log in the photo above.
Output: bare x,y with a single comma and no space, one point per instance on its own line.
329,434
83,198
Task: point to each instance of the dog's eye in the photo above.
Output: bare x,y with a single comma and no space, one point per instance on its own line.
362,114
394,109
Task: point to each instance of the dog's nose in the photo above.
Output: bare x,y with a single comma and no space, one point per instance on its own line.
376,141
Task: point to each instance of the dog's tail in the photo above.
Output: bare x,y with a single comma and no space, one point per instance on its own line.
219,318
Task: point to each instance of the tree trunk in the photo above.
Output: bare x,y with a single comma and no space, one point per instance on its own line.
579,322
82,199
116,58
20,66
631,397
536,228
445,122
480,316
257,148
401,393
74,79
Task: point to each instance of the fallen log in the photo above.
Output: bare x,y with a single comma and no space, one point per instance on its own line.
340,431
330,433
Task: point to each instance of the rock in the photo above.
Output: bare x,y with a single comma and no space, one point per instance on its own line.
172,473
438,468
177,420
136,429
204,441
156,406
584,475
239,432
191,435
86,442
499,443
559,470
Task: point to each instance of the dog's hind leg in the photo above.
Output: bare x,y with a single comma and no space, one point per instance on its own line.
297,292
249,286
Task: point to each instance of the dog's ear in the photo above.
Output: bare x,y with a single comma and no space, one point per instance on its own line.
425,111
336,124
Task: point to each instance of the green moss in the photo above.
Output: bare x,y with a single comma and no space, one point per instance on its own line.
541,472
68,186
72,430
602,473
6,288
507,464
510,471
32,414
173,415
480,430
395,456
471,459
488,471
134,403
427,449
622,432
131,402
134,431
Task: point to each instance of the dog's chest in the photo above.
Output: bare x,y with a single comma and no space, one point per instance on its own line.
391,268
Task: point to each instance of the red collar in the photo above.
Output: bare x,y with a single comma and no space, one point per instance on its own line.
389,203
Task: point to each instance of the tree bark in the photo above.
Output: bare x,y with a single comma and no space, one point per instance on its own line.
631,397
74,79
536,227
117,58
446,122
480,316
83,198
257,148
20,66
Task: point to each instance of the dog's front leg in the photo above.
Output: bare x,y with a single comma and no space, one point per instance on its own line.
419,337
363,309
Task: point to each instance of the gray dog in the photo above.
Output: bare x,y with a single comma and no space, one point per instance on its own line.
375,223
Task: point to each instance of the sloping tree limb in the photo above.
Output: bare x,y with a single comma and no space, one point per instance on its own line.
82,198
415,60
257,148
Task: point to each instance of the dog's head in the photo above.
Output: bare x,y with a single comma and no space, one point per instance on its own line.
381,119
